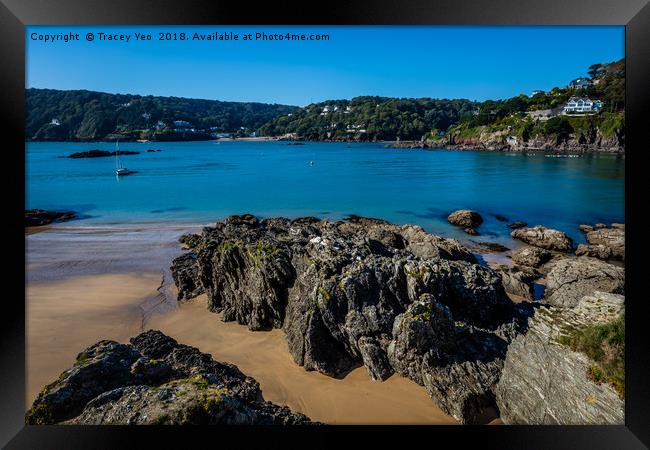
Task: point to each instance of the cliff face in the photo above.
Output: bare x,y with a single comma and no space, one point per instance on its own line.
544,382
593,141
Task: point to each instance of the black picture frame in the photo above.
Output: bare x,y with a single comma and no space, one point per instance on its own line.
16,14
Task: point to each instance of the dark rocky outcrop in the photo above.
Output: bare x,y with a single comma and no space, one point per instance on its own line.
344,292
100,153
190,240
458,367
604,243
466,219
531,256
543,237
544,382
38,217
186,277
154,380
570,279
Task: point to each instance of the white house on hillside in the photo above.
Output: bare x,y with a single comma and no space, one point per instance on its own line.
582,105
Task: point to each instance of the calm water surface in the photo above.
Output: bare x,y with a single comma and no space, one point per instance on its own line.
200,182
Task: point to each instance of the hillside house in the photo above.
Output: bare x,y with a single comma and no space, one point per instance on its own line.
582,105
580,83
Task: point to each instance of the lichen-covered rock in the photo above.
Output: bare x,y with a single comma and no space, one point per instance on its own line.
545,383
531,256
458,366
570,279
154,380
336,288
190,240
543,237
465,218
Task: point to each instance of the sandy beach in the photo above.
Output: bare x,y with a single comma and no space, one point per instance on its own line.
102,287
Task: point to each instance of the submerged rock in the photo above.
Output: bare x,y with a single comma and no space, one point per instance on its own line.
154,381
544,382
339,291
543,237
489,247
515,225
38,217
570,279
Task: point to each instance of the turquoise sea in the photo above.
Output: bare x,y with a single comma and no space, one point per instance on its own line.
201,182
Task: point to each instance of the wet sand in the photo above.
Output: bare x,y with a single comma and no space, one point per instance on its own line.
65,317
263,355
93,288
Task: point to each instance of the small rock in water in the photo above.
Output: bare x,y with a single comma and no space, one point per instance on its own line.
500,218
465,218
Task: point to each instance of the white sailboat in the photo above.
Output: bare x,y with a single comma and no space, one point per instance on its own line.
120,168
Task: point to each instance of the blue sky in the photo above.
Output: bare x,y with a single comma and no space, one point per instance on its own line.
477,63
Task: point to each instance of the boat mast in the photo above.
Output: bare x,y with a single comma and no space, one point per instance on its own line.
117,152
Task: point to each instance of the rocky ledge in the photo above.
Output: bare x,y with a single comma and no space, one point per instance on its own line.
154,381
603,242
545,382
546,238
362,291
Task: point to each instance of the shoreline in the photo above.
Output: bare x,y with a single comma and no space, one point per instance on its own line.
587,150
87,279
107,296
